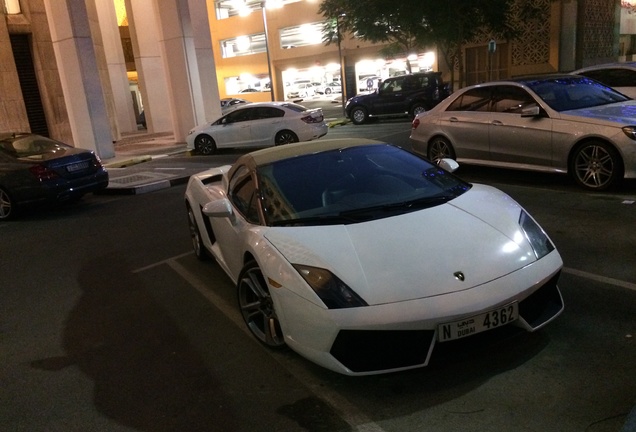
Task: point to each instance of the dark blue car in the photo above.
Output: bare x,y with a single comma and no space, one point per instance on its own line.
38,170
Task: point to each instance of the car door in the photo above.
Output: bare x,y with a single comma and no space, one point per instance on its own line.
514,138
391,97
234,130
465,123
265,123
230,231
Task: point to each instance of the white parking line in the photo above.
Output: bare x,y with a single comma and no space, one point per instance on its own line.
602,279
347,412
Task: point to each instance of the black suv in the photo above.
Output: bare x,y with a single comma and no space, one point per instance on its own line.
399,96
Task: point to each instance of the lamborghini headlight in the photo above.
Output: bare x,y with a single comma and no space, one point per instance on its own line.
333,292
541,244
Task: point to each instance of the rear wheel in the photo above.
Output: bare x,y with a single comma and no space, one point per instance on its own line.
596,165
440,148
285,137
204,144
359,115
416,109
7,206
327,90
257,306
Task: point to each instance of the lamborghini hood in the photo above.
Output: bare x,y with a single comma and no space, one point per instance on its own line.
418,254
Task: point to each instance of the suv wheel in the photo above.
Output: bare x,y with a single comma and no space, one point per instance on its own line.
359,115
416,109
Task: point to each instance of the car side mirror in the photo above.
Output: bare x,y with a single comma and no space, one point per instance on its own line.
448,164
531,111
218,208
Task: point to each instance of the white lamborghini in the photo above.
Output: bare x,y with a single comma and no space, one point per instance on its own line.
363,257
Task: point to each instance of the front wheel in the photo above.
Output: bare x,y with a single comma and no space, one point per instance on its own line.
7,206
359,115
195,236
596,165
204,144
257,306
327,91
440,148
285,137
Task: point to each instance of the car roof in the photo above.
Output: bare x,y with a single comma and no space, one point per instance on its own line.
615,65
276,153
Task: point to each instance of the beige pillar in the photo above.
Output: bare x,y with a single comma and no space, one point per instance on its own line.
188,62
116,64
153,85
79,74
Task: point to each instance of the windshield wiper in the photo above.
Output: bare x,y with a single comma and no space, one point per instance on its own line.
333,219
411,205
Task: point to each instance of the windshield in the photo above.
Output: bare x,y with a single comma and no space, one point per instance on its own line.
569,93
353,184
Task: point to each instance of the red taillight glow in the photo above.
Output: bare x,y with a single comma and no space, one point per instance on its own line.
310,119
415,124
43,173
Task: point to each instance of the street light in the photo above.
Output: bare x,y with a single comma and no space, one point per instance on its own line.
269,63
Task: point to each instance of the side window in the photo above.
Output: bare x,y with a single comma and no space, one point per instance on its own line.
510,99
239,115
243,195
392,85
477,99
267,112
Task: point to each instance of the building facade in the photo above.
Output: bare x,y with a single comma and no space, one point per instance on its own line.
81,71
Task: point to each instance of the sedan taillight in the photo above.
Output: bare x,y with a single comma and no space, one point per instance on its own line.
43,173
415,124
311,119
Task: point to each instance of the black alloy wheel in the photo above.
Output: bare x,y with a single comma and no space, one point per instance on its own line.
285,137
257,307
204,144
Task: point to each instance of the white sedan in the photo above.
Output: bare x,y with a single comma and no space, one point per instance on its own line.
553,123
363,257
258,125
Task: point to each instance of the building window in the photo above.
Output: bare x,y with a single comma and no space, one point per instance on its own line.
303,35
12,7
243,45
229,8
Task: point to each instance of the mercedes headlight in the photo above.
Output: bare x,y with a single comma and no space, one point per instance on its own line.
333,292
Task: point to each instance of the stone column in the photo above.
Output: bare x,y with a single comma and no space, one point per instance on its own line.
116,64
153,84
79,74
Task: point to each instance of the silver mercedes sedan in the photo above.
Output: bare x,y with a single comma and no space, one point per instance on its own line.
552,123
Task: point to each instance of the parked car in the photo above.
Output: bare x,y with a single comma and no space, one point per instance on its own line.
301,90
555,123
258,125
329,88
398,96
230,103
36,170
620,76
364,257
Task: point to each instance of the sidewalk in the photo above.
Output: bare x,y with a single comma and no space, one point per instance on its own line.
129,173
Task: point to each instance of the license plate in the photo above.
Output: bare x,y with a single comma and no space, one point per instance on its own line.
478,323
77,166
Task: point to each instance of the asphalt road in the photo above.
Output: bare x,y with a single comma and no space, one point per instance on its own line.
109,323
